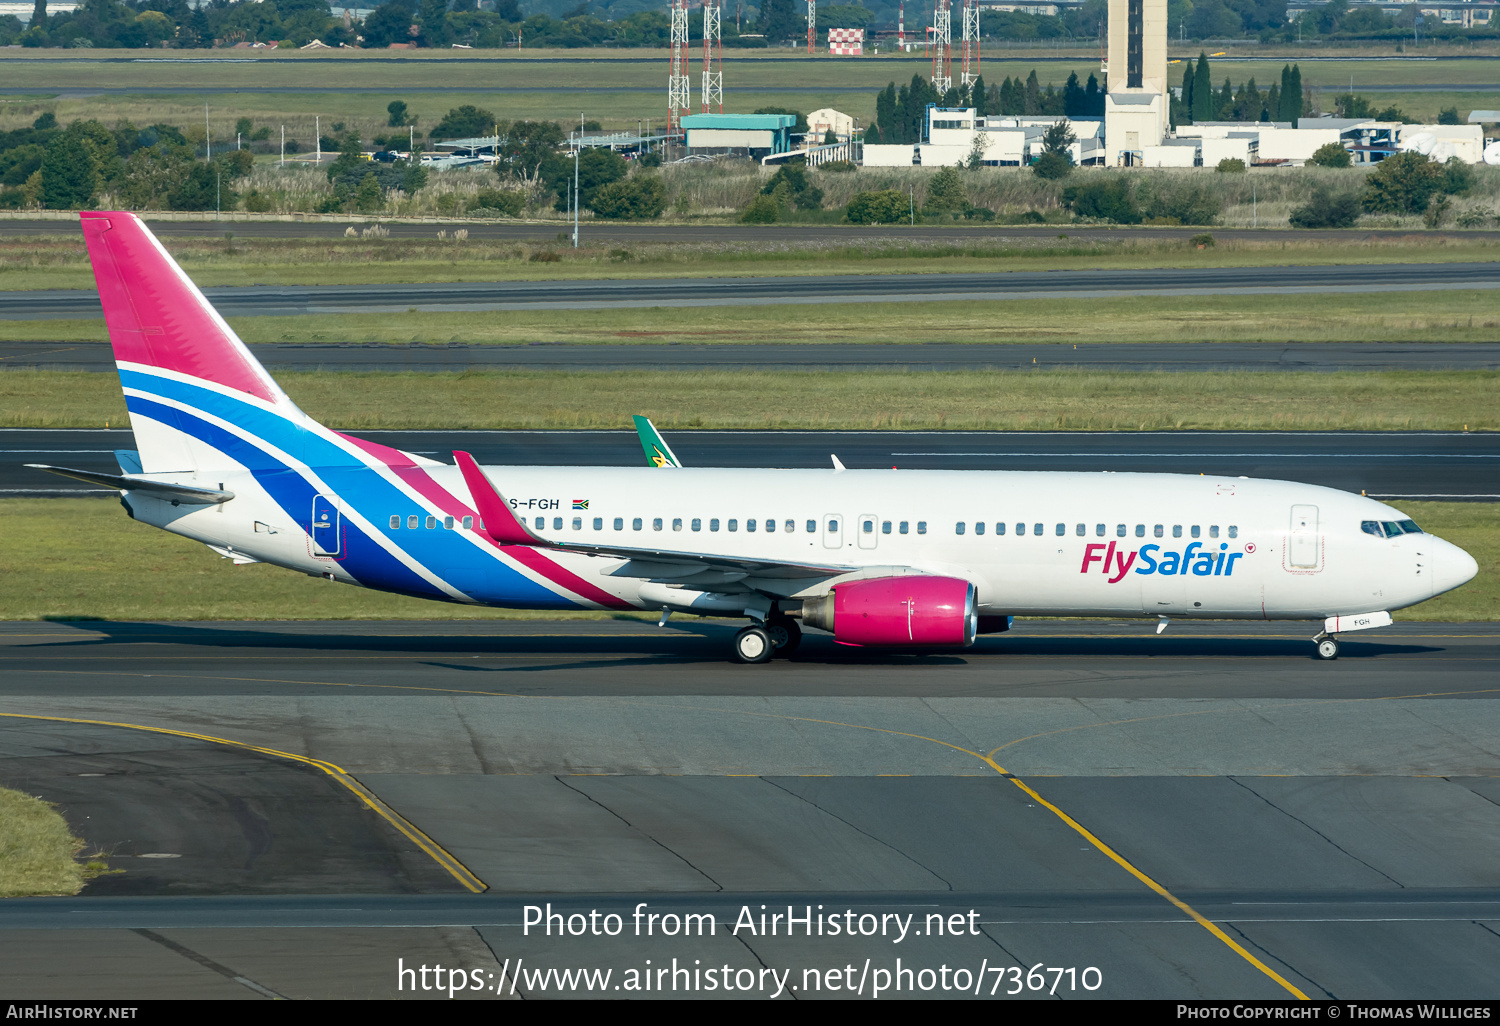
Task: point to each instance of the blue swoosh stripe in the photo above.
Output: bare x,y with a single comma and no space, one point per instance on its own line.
495,582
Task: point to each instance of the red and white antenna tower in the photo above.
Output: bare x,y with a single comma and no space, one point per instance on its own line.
679,98
812,24
942,47
971,44
901,25
713,56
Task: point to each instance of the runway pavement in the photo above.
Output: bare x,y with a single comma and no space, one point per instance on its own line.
932,356
1394,465
1333,822
718,234
619,294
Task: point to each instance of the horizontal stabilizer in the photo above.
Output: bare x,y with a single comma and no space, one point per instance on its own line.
145,486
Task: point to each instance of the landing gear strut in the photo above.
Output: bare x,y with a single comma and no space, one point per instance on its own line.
753,645
786,634
1328,646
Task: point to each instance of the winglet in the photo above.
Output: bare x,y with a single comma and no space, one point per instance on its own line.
495,514
658,452
838,464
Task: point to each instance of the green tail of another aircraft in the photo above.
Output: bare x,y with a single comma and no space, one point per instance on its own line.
658,452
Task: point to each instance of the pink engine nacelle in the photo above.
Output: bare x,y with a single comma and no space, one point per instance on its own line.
912,610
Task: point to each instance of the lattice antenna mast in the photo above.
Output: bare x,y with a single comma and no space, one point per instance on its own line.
679,97
942,46
713,57
971,44
901,25
812,24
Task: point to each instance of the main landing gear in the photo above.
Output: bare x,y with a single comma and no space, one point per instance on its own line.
1328,646
780,635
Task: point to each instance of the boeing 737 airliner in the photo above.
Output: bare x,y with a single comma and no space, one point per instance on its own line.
876,557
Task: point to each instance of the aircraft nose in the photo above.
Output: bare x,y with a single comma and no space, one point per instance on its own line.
1451,567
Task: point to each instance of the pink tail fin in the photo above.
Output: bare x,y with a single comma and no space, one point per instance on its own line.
157,317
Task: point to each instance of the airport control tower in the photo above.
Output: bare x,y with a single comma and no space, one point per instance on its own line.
1136,110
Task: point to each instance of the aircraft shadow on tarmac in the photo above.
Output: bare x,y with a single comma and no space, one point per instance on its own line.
709,642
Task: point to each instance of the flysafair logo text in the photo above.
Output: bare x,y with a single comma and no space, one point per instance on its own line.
1202,562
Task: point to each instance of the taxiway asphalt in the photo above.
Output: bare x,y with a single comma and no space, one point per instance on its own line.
1334,821
1396,465
638,293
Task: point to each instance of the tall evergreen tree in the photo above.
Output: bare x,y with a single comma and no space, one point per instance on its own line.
1286,88
1273,104
1073,101
779,20
39,15
885,112
1093,98
1187,90
1294,89
1203,91
1033,95
979,97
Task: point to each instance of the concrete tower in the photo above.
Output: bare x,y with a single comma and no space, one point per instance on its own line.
1136,111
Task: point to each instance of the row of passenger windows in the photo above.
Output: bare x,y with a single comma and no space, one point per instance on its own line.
867,526
1100,530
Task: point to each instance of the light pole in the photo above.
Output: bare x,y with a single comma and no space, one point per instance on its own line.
576,151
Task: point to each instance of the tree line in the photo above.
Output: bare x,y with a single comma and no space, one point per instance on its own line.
900,113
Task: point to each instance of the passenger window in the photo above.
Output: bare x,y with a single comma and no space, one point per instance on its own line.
411,523
902,527
676,523
833,526
867,527
979,527
1140,530
921,527
734,525
770,526
697,524
619,523
1119,530
468,523
1062,530
812,527
749,525
598,523
1213,531
1037,530
791,527
447,523
635,524
578,523
1000,527
1196,531
432,523
1020,530
1158,532
1081,531
395,521
713,524
1234,532
656,524
1098,530
1176,530
958,528
557,523
540,522
885,527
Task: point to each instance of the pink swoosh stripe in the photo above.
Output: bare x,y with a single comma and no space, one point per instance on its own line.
445,500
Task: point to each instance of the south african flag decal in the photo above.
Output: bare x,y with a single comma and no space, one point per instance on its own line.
580,504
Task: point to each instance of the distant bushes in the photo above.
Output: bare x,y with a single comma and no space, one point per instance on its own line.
884,207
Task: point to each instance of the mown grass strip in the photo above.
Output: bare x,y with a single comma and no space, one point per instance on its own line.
73,559
981,400
38,853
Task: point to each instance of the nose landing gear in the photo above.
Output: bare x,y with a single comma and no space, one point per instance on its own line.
1328,646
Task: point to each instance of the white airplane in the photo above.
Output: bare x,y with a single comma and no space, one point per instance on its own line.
876,557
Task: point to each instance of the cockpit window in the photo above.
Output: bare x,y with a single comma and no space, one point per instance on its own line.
1389,528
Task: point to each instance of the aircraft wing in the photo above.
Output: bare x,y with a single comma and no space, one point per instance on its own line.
658,452
505,528
147,486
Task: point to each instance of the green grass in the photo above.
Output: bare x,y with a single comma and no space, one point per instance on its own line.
106,566
38,853
1429,317
60,261
625,85
1046,399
